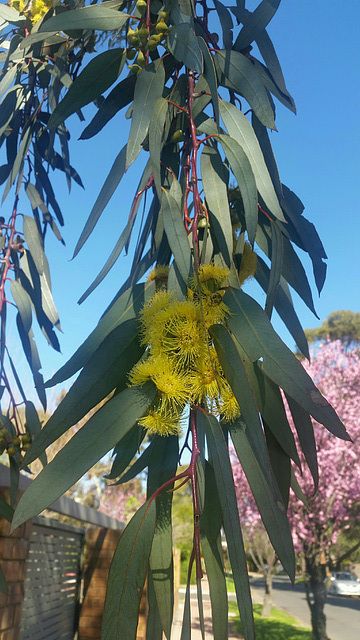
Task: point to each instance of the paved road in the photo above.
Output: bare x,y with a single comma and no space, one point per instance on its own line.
342,613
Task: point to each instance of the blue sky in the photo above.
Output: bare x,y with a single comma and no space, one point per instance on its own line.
317,153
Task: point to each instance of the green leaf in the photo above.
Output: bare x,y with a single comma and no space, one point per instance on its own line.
6,511
210,526
149,87
176,234
255,22
236,376
18,164
158,118
268,53
162,467
280,464
292,268
215,178
226,22
305,431
23,303
125,451
210,77
12,16
267,498
277,255
95,79
127,576
108,189
240,129
226,491
102,431
126,307
262,135
183,44
3,584
139,465
107,368
153,623
34,242
283,305
119,97
5,83
251,326
236,72
32,356
96,17
245,179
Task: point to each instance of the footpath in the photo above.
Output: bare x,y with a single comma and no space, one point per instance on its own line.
195,621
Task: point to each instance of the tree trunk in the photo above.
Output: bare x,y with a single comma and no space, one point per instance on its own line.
316,597
268,595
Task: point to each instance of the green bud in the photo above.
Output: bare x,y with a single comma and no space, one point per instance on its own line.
177,136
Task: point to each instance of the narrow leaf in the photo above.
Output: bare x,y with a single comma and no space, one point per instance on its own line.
215,178
86,447
111,183
236,72
255,22
107,368
118,98
245,179
276,268
148,88
252,328
183,44
96,17
226,490
127,576
94,79
176,234
126,307
210,77
240,129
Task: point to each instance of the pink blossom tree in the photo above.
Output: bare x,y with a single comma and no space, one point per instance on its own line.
336,503
122,501
329,510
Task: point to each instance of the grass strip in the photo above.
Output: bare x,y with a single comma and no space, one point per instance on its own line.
280,626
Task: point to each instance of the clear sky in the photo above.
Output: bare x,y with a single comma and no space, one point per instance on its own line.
317,152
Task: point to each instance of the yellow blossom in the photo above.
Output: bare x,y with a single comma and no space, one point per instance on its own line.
228,405
160,272
157,422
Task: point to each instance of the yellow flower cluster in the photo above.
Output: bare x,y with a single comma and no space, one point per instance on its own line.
34,9
180,358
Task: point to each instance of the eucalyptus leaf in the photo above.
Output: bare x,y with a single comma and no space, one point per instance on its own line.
226,491
106,369
252,328
127,576
126,307
148,88
245,179
236,72
96,17
95,78
215,179
102,431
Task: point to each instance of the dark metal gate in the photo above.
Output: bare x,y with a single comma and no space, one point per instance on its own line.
52,584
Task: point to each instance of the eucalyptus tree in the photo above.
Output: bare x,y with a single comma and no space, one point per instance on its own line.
186,349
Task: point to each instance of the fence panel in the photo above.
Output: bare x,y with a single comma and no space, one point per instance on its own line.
52,584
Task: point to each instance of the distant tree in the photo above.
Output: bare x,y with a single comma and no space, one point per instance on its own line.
343,325
336,503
